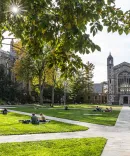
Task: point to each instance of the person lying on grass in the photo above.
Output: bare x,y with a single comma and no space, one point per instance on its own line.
108,110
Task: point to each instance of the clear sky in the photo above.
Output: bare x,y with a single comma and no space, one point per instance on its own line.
119,46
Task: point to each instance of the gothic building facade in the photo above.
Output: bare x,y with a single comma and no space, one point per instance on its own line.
118,82
6,63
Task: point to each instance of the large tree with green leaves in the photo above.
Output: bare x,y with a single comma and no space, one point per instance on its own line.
65,24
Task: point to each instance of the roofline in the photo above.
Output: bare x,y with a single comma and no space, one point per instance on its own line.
123,63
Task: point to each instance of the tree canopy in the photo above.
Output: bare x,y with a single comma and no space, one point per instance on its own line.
66,25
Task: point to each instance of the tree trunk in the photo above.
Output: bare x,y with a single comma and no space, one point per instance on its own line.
53,88
28,86
41,94
29,89
41,87
53,95
65,93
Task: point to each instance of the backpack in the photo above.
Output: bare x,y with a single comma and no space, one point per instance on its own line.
25,122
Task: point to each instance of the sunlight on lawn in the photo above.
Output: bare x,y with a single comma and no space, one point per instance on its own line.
10,125
77,113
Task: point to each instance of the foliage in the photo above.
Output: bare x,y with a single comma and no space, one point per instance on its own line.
65,27
30,70
82,83
62,147
41,74
64,23
79,114
2,102
8,88
10,125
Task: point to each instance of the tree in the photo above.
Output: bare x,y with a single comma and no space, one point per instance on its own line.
82,83
8,88
23,66
64,24
27,68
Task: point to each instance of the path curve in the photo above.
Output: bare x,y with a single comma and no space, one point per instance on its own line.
118,136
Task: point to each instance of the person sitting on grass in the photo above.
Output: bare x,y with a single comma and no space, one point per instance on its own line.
4,112
34,119
107,110
66,108
98,109
42,118
110,109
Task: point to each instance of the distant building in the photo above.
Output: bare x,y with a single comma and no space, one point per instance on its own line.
6,64
99,94
118,82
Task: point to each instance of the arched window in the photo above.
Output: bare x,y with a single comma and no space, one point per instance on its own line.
124,82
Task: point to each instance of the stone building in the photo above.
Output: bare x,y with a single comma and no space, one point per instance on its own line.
99,94
118,82
7,60
6,63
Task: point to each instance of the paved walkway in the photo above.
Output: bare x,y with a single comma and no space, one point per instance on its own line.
118,143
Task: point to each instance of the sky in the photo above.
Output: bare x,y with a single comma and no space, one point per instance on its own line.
118,45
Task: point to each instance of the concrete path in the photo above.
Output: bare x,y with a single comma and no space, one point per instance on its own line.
118,136
120,144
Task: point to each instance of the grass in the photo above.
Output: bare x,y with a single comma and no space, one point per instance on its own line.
78,112
9,124
63,147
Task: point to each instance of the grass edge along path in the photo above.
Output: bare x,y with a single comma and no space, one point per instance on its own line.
10,126
61,147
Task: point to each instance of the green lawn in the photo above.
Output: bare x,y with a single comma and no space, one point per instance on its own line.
9,124
64,147
83,113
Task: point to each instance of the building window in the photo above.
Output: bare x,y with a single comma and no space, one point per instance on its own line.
95,97
110,81
88,97
110,62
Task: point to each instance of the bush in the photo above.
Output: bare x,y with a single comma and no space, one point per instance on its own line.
2,102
